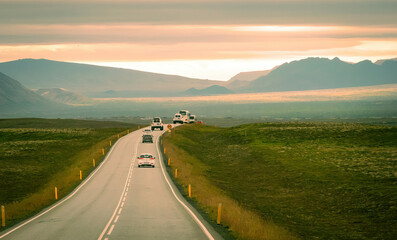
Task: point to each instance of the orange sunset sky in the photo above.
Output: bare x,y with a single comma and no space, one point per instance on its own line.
204,39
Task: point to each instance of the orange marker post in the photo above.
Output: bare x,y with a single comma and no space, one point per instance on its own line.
103,151
56,193
176,173
169,161
3,216
81,175
218,220
93,162
190,191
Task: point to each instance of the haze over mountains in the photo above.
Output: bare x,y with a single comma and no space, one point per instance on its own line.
107,82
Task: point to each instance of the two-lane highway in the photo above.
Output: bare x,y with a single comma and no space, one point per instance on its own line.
120,201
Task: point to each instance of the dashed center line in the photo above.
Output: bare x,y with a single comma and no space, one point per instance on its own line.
118,207
111,229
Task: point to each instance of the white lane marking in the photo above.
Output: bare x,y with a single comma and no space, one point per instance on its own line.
205,230
126,194
117,218
122,195
67,197
111,229
121,209
122,204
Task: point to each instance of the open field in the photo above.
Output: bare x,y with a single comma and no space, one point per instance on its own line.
315,180
338,94
38,154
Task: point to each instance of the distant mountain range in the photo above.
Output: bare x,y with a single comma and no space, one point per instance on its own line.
209,91
52,78
323,73
16,98
95,80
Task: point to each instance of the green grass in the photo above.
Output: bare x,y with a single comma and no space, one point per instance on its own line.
317,180
44,154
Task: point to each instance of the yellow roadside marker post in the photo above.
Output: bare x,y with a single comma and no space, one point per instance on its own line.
81,175
93,162
103,151
176,173
190,191
56,193
118,136
3,216
218,220
169,161
110,143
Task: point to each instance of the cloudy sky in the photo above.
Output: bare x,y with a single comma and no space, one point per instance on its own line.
197,38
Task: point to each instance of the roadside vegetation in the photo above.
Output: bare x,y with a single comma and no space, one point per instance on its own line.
291,180
37,155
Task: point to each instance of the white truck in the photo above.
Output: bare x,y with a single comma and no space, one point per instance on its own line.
182,116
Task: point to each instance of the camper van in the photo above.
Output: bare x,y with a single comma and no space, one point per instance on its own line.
182,116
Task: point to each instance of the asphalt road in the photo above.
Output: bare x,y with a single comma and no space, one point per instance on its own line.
120,201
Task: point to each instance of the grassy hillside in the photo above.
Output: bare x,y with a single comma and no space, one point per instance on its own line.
317,180
38,154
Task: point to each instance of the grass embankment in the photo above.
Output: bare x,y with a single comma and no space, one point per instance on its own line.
314,180
48,153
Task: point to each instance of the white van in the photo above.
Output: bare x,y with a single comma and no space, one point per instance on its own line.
182,117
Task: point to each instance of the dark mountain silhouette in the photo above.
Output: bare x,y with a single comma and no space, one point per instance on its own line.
63,96
16,98
84,78
209,91
322,73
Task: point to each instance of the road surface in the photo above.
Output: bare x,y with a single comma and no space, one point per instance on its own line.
119,201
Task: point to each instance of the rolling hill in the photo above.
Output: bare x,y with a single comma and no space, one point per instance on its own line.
209,91
93,80
16,98
62,95
323,73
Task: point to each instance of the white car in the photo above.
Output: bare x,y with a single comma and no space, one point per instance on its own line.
157,123
146,160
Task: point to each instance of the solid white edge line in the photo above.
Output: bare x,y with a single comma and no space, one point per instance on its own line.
67,197
205,230
122,195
